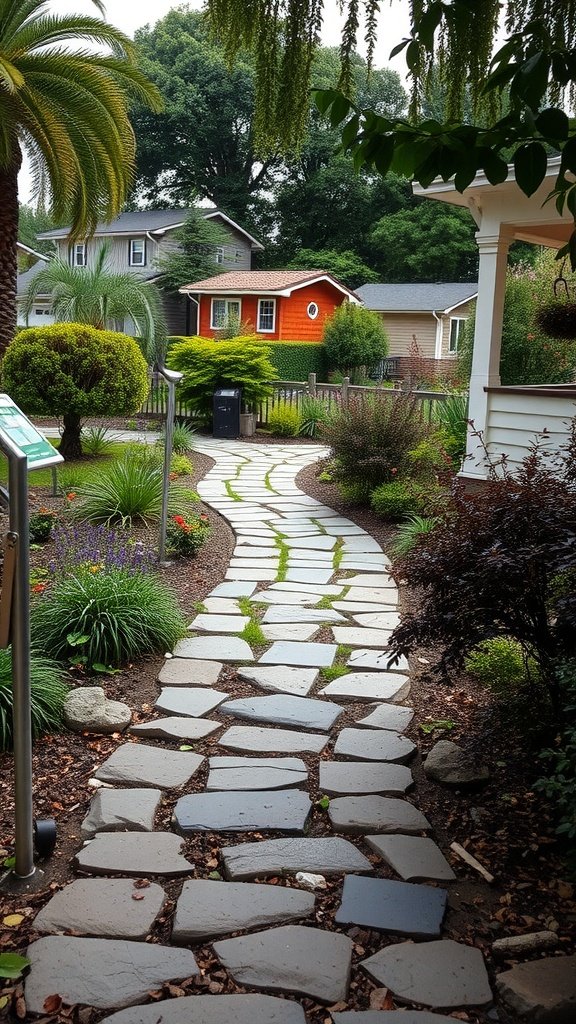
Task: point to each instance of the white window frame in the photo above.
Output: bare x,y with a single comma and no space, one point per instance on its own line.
266,330
309,310
131,252
456,332
78,254
228,302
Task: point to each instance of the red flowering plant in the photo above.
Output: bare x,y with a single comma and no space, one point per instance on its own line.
186,535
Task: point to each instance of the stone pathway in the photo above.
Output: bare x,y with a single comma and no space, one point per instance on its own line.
309,591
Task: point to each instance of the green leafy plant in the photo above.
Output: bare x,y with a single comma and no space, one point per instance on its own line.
252,633
314,414
395,499
451,416
12,965
284,419
97,441
560,784
180,465
107,617
410,531
127,492
501,664
355,339
41,524
437,725
208,365
183,438
185,535
47,690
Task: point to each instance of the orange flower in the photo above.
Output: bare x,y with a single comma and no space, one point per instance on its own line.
71,495
38,588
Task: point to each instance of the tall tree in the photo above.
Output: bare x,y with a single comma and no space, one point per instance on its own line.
193,256
426,242
68,109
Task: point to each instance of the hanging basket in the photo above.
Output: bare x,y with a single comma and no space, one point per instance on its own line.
558,320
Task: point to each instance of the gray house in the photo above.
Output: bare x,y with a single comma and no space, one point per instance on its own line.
137,241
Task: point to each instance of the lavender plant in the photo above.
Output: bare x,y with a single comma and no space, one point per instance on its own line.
97,548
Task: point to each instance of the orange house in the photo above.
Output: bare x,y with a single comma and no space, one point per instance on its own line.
281,305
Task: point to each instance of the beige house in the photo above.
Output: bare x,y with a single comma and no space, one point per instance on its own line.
431,316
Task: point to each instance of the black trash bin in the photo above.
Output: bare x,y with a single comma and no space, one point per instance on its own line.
226,416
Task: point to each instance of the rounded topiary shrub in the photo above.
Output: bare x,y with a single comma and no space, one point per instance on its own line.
73,371
395,499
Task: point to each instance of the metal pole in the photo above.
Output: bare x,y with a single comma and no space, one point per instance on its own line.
24,823
172,378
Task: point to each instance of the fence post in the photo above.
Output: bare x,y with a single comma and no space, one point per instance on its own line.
312,385
344,391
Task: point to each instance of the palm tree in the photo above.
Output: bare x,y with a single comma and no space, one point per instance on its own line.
98,296
67,108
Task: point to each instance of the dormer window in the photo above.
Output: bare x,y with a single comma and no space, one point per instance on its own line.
137,252
78,254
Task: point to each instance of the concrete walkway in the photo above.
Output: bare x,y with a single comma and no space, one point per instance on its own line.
321,625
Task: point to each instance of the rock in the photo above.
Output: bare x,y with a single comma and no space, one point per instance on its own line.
206,909
196,1009
281,679
524,945
310,881
443,974
133,853
449,764
237,773
331,856
341,778
283,811
392,1017
251,738
374,745
387,716
189,701
398,907
375,814
543,991
284,709
214,648
368,687
186,672
121,810
179,729
290,652
137,764
414,858
102,907
87,709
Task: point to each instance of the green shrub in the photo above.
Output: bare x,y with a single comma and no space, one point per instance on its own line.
180,465
284,419
410,531
47,691
395,500
355,340
314,412
41,524
560,785
295,360
500,663
97,441
451,416
185,535
106,618
73,370
183,438
208,365
126,492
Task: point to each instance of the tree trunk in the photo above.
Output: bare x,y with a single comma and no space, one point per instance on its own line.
8,249
71,444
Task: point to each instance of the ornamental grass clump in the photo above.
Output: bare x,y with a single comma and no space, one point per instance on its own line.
186,535
47,691
129,492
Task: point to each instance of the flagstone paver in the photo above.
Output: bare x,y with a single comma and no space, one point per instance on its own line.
392,1017
234,773
288,652
133,854
191,701
176,728
342,778
207,622
286,613
184,672
325,856
283,709
387,716
299,631
378,660
355,636
378,620
238,589
368,687
224,648
121,810
139,765
414,858
276,811
208,909
374,745
375,813
416,911
102,907
281,678
443,974
249,738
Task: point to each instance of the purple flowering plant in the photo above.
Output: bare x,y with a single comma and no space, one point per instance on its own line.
95,549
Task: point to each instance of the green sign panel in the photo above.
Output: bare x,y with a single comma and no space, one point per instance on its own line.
18,428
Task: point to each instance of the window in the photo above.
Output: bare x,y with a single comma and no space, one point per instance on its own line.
78,254
137,252
219,254
266,314
238,256
312,310
456,332
223,311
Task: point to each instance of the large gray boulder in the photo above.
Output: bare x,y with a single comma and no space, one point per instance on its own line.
87,709
449,764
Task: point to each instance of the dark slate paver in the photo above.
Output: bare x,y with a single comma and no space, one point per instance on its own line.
235,773
136,764
326,856
207,909
392,1017
241,1009
374,745
121,810
414,858
369,686
179,729
284,811
102,907
101,973
443,974
341,778
375,814
416,911
283,709
291,958
191,701
250,738
133,853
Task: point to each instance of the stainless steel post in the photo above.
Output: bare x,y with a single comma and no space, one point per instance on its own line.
172,378
24,816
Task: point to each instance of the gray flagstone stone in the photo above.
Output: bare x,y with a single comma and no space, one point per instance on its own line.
542,990
286,597
233,773
137,764
251,552
416,911
291,958
207,909
353,607
377,745
103,908
250,738
221,605
134,854
223,648
378,620
270,564
309,575
281,678
288,652
210,623
101,973
260,575
323,589
392,1017
443,974
176,728
321,542
376,814
365,543
325,856
371,580
191,701
243,811
287,613
291,631
238,589
184,672
359,562
377,660
375,595
284,709
387,716
414,858
368,687
341,778
355,636
121,810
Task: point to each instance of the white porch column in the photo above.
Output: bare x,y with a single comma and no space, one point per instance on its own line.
487,340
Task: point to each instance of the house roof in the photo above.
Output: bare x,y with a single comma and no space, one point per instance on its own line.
416,298
32,252
264,282
154,221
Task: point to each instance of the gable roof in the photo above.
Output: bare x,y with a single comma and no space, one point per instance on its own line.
264,282
32,252
155,222
416,298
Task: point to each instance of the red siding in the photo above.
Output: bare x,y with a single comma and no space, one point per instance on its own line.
292,320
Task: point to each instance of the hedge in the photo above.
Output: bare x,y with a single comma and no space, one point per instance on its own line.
294,360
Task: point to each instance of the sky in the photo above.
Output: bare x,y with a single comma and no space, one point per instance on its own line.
128,15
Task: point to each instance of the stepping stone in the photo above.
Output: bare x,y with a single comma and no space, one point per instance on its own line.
357,562
379,745
176,728
352,607
330,856
233,590
311,558
285,613
365,543
319,543
378,620
371,580
375,814
542,990
183,672
133,853
388,716
103,908
287,652
257,539
241,551
416,911
374,595
392,1017
269,564
443,974
348,777
282,709
291,958
281,679
121,810
272,741
291,631
233,773
103,974
413,858
135,764
206,909
225,648
309,575
378,660
221,606
277,811
285,597
220,623
259,575
194,702
324,589
367,687
354,636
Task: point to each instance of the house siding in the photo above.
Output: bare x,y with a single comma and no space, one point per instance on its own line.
461,312
403,328
292,320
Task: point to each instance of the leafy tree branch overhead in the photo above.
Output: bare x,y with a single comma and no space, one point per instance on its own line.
517,91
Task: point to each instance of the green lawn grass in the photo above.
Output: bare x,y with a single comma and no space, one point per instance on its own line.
79,470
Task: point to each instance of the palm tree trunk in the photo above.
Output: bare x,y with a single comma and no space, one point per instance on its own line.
70,442
8,250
